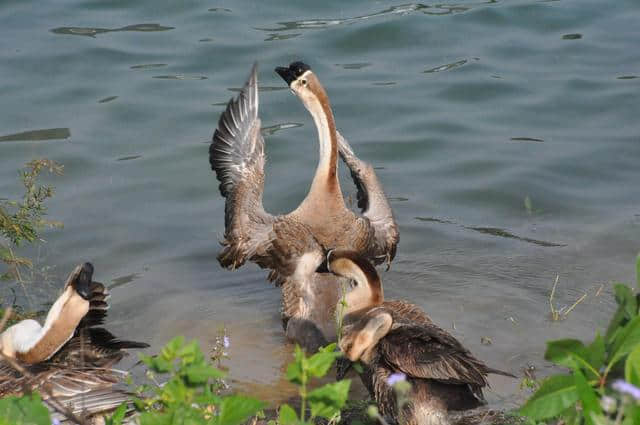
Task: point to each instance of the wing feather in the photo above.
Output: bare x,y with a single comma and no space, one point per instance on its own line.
373,204
237,156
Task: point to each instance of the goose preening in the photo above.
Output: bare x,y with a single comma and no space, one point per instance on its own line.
392,337
279,242
69,355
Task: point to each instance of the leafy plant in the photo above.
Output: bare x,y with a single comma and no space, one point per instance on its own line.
191,393
21,220
578,397
325,401
25,410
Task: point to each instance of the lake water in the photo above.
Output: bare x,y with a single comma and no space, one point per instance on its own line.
506,133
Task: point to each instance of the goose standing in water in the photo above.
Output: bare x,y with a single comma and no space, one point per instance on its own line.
393,337
322,219
69,356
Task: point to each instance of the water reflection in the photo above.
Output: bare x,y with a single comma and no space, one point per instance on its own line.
572,36
92,32
33,135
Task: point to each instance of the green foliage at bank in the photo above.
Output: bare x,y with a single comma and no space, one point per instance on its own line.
600,388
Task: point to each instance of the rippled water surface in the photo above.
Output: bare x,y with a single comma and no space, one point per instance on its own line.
505,132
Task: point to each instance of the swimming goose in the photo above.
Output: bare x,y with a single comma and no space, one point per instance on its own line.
292,246
69,355
392,337
237,156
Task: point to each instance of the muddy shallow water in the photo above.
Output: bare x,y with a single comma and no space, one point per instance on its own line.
505,132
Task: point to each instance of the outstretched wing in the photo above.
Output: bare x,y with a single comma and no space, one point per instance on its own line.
373,204
237,156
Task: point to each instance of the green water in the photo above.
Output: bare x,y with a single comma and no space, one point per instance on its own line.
505,132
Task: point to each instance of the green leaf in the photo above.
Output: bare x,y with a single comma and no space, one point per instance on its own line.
555,394
572,354
25,410
118,415
287,416
638,271
588,397
200,374
626,340
320,363
327,400
632,367
294,373
596,352
627,309
236,409
169,351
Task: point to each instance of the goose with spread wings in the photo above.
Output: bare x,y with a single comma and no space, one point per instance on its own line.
322,221
237,156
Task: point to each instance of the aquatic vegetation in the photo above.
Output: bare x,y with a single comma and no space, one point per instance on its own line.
593,392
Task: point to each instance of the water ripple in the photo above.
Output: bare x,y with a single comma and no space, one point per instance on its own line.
148,66
404,9
129,158
494,231
180,77
526,139
92,32
107,99
446,67
42,134
272,129
357,65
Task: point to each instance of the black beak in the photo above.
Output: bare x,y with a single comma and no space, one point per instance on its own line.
83,281
287,74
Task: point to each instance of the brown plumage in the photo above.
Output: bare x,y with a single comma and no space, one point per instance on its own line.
81,373
321,222
392,337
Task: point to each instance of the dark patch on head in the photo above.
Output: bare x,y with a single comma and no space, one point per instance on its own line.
295,70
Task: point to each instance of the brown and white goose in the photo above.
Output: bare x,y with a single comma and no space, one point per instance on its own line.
237,156
321,221
393,337
70,355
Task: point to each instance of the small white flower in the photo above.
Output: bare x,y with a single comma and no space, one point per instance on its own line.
609,404
226,342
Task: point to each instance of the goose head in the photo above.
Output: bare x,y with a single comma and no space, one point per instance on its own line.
366,291
32,343
360,338
304,84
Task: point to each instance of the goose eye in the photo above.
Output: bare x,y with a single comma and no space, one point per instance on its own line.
304,82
